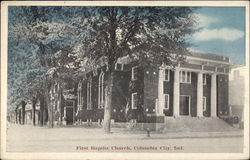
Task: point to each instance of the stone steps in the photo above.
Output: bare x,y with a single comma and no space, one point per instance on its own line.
195,124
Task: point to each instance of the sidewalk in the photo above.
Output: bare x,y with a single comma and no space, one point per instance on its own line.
180,135
117,134
84,133
27,138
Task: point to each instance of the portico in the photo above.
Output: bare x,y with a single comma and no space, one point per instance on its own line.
193,87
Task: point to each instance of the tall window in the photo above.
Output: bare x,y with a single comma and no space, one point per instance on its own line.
79,96
185,77
89,91
101,95
204,104
166,101
134,100
204,79
166,74
119,66
134,73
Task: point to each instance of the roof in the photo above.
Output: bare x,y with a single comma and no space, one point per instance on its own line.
199,57
210,56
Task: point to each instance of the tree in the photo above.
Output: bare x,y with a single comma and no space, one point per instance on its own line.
65,38
41,40
151,35
23,74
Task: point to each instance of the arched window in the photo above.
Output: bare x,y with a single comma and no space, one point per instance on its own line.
101,95
79,96
89,91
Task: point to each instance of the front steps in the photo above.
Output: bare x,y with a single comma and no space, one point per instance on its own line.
196,124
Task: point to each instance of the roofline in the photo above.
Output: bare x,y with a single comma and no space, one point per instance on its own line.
208,53
208,60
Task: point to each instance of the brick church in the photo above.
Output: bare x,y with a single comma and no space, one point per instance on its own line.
196,88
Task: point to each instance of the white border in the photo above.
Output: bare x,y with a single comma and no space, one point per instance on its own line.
137,156
126,3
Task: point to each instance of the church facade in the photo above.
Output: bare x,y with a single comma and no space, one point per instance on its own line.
197,87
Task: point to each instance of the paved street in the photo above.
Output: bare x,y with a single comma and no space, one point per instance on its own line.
81,139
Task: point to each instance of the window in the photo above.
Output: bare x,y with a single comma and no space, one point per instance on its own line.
89,97
204,104
166,102
134,73
188,77
166,74
119,66
204,79
79,96
134,101
185,77
101,91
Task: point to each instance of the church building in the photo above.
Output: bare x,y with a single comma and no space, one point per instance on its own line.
198,87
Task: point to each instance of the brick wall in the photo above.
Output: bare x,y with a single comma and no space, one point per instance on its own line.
150,90
207,94
169,89
120,94
222,95
136,86
146,87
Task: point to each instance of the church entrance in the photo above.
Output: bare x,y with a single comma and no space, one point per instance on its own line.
184,105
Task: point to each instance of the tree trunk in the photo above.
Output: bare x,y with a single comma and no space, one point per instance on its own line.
45,115
34,100
41,115
50,110
60,105
42,103
23,111
108,103
16,116
34,115
51,116
20,116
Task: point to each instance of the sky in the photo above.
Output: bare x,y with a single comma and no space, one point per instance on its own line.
221,30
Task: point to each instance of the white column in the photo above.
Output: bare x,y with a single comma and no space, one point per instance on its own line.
199,95
213,96
176,106
160,106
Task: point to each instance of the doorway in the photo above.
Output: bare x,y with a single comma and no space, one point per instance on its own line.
184,105
69,115
69,112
